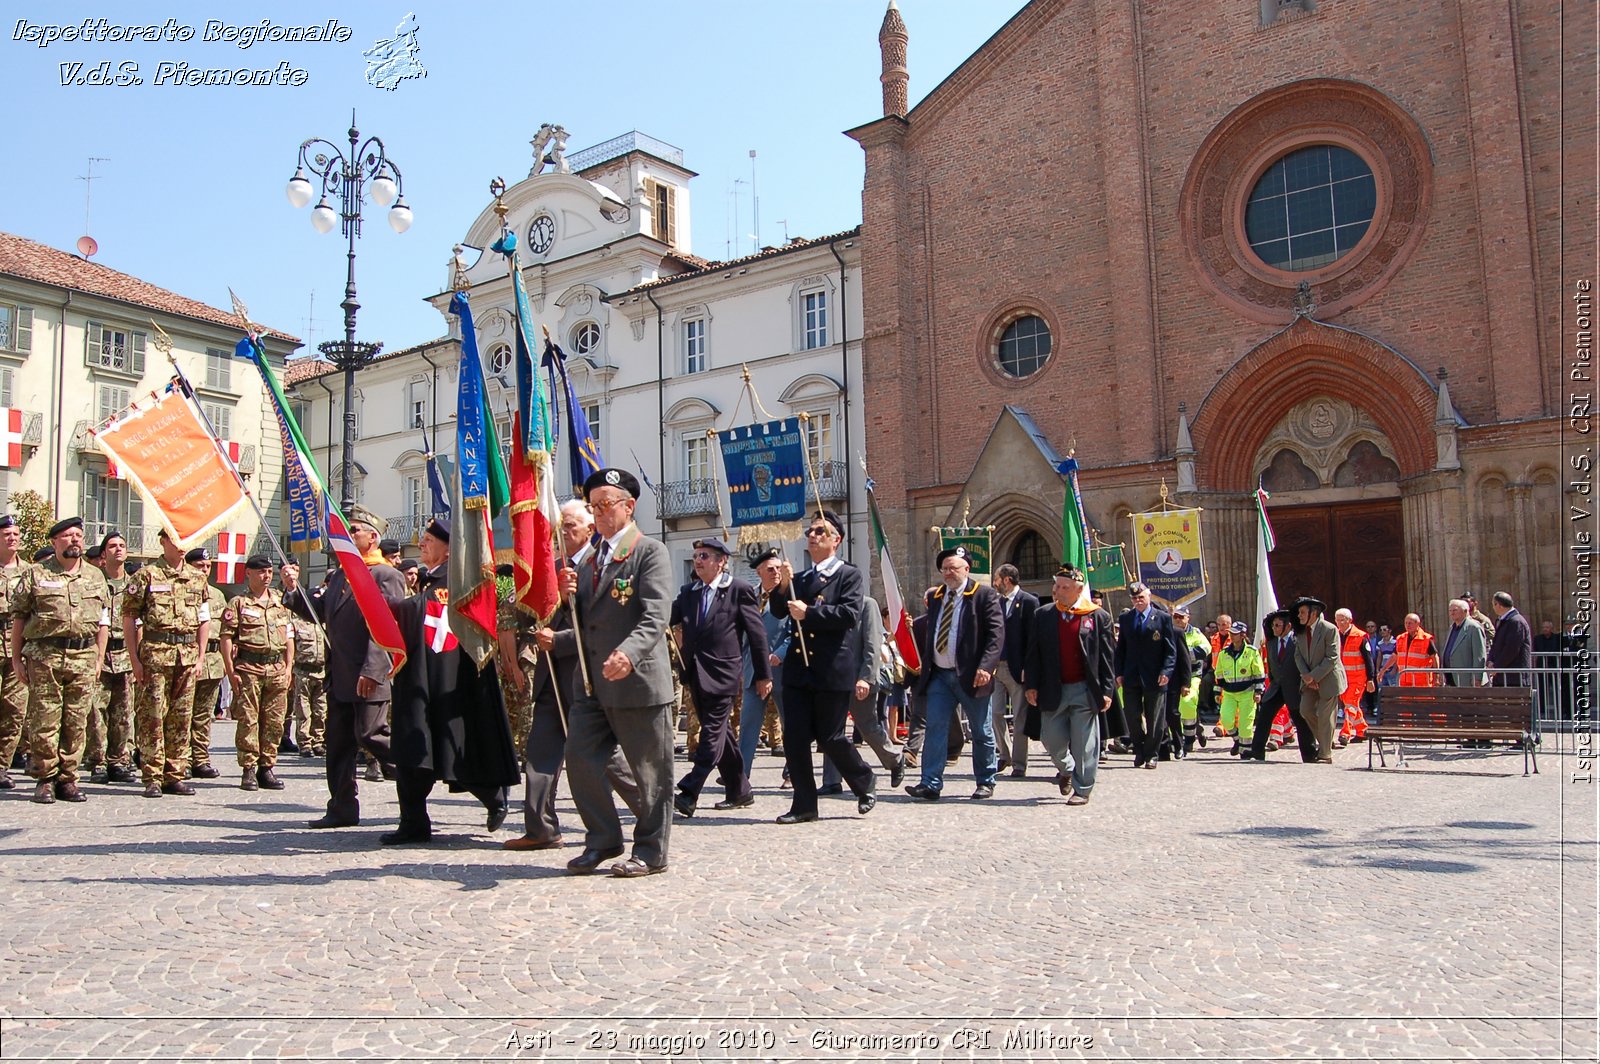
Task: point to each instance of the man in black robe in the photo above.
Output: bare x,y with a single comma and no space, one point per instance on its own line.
449,721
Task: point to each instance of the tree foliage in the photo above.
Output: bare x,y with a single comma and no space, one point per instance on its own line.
34,516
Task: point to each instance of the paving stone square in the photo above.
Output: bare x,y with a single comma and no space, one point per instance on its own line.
1210,910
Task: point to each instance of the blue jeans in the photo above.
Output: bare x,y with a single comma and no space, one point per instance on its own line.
1070,733
942,700
752,714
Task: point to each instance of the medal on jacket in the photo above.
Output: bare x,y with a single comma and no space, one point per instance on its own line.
622,590
1155,637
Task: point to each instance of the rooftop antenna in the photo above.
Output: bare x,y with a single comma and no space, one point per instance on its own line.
733,241
785,223
311,321
87,245
755,207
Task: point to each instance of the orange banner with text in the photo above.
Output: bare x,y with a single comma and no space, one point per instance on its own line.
166,453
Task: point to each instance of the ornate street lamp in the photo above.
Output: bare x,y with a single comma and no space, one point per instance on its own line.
344,177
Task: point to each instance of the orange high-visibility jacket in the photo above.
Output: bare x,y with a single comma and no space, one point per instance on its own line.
1416,652
1355,666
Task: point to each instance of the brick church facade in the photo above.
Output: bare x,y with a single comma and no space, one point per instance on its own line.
1312,245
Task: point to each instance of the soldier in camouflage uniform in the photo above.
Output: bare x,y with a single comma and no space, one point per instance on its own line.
308,696
257,647
60,615
208,685
13,692
170,599
111,719
518,653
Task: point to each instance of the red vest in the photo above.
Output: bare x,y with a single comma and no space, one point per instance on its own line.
1355,665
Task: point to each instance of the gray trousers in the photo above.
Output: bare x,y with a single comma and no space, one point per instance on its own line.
865,714
543,757
644,734
1008,690
1070,734
1318,708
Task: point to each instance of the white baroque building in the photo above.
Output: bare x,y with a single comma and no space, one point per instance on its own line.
77,345
658,342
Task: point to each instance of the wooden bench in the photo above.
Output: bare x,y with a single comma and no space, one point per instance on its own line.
1435,715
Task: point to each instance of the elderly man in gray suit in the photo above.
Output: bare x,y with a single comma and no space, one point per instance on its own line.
623,596
1322,679
1465,649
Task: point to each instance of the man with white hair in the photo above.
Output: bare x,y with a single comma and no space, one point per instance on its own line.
1360,671
1464,648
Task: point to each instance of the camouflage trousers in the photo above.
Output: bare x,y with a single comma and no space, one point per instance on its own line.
13,712
61,689
519,708
308,696
110,722
161,710
259,704
201,715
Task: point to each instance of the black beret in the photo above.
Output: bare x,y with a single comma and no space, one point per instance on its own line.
1071,572
614,478
42,553
8,521
766,556
92,553
713,543
407,564
109,536
439,529
388,546
833,519
259,563
64,524
198,555
134,566
950,552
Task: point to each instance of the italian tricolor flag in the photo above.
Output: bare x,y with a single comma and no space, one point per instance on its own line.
899,619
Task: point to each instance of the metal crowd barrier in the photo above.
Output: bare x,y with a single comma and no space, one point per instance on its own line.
1555,679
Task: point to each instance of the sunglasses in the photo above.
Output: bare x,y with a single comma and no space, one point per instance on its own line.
820,530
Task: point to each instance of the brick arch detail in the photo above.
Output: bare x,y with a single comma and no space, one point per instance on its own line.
1301,362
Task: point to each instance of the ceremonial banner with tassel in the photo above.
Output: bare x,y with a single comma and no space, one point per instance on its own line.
979,544
480,492
1167,546
1074,527
298,463
583,450
766,469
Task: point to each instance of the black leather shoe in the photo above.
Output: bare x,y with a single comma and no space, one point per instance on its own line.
984,791
405,837
497,816
828,790
205,772
865,805
120,774
736,803
924,792
328,820
176,788
269,779
897,771
247,780
797,818
152,790
589,860
683,804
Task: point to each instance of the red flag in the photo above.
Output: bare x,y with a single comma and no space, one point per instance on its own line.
230,557
10,438
369,600
534,516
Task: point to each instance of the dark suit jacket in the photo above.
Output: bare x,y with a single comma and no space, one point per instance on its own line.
1144,657
713,648
980,631
626,611
351,651
1042,670
834,608
1283,676
1512,650
1019,622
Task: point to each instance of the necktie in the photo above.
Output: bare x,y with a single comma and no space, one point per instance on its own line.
947,619
600,555
705,603
765,595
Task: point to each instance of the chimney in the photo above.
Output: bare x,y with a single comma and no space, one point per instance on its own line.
892,41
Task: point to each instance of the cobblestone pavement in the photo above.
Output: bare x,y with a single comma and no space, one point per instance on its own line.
1209,910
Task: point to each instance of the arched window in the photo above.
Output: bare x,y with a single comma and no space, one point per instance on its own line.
1034,558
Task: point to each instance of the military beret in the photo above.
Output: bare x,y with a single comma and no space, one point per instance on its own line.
134,566
105,540
360,515
42,553
439,529
766,556
1469,596
8,521
612,478
64,524
948,553
198,555
712,543
388,546
259,563
92,553
832,519
1071,572
407,564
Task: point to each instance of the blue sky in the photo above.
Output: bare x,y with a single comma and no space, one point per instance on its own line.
191,198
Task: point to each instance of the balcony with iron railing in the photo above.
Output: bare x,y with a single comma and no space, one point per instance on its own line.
832,484
407,528
689,498
142,542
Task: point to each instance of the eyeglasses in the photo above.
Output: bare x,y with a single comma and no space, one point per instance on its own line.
820,530
603,506
705,556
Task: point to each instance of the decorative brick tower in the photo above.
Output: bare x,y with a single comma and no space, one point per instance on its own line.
892,41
